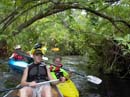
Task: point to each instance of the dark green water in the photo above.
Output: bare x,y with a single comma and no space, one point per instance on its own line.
110,87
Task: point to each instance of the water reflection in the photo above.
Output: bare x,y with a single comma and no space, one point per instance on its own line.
115,87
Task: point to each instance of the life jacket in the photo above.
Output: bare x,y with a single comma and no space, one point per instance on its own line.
57,70
37,72
17,56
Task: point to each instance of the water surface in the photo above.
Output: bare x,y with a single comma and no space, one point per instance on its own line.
110,87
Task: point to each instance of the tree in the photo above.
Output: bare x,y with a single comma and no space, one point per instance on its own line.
52,7
76,26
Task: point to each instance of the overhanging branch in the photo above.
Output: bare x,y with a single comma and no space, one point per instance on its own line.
15,12
14,15
37,17
65,6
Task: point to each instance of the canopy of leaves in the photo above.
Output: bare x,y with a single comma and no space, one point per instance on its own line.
75,26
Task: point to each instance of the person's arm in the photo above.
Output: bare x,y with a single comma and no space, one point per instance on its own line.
11,56
62,79
50,77
24,79
48,73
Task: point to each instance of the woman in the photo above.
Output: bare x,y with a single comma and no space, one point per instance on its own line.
36,72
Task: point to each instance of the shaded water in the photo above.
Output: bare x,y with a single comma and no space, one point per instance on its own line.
110,87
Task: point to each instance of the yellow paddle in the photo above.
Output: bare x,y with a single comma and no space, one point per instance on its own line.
55,49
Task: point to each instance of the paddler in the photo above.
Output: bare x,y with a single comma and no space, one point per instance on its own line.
36,72
38,46
15,55
56,68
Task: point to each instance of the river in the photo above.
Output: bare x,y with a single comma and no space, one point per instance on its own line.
110,87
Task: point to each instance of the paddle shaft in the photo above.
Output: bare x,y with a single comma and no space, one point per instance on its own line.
75,72
69,70
90,78
41,83
51,81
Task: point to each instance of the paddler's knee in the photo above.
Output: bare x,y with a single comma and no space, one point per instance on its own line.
46,91
26,91
54,92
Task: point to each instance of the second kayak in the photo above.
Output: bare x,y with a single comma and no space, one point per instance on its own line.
68,88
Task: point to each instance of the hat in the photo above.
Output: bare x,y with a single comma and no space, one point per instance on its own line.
37,45
36,52
18,47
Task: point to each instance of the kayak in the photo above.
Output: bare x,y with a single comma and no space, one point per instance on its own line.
68,88
17,66
15,93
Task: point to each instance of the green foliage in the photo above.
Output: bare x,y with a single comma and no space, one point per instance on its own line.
74,31
124,43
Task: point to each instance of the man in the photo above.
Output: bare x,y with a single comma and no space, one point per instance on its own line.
36,72
15,55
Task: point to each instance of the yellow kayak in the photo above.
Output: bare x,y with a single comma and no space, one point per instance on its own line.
68,89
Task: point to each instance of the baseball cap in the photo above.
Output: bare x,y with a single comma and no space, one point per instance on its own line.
36,52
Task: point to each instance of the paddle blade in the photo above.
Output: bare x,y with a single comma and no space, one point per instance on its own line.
94,79
90,78
55,49
45,58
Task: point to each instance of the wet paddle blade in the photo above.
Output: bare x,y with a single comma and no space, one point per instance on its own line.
45,58
94,79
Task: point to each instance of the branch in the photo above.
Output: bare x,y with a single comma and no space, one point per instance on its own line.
104,8
13,18
6,18
37,17
113,23
111,19
124,22
65,6
15,12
